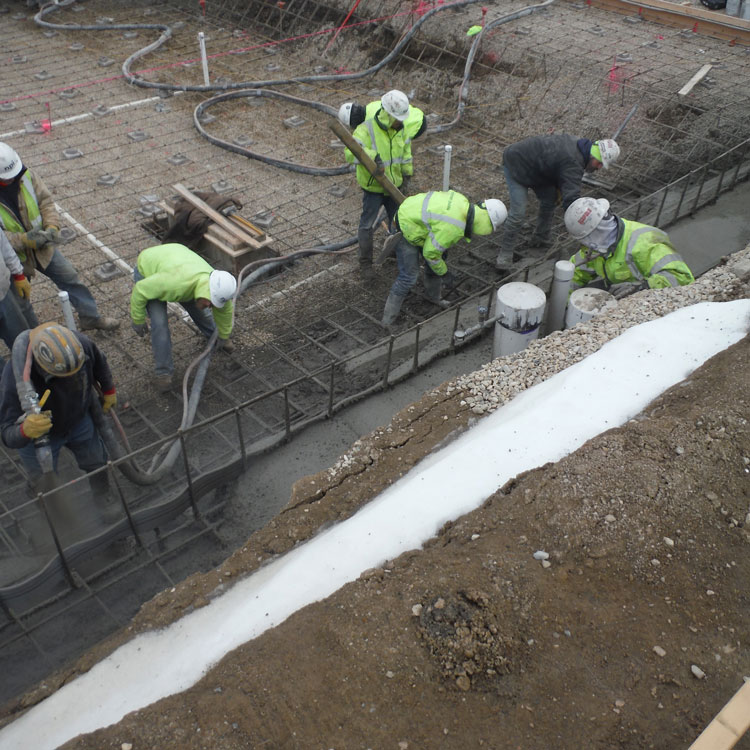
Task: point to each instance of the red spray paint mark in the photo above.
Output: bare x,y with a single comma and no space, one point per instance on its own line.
202,3
695,28
47,124
615,77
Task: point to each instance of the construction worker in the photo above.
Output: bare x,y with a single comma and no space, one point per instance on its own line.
32,224
621,256
70,366
386,133
12,320
174,273
552,166
430,223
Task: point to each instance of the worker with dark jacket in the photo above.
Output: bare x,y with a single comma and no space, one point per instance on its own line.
621,256
174,273
551,166
429,224
70,366
13,286
32,224
386,136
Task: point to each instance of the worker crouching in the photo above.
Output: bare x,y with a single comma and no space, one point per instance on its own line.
69,366
174,273
430,223
621,256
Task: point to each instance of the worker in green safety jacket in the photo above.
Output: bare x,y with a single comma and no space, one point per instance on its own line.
32,225
430,223
174,273
386,134
621,256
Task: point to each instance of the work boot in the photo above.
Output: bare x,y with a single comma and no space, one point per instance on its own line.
392,309
102,323
432,287
365,240
108,508
366,272
225,345
162,383
540,242
504,260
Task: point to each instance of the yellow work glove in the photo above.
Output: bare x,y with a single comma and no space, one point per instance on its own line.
109,400
22,286
37,425
34,239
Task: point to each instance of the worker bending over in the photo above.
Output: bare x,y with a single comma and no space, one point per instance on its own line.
389,127
621,256
174,273
70,366
552,166
31,223
430,223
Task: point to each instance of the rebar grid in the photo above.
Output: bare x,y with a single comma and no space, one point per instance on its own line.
309,339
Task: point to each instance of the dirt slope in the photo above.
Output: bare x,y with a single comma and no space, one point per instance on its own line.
474,643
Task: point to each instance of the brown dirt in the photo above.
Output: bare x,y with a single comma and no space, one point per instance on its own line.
471,642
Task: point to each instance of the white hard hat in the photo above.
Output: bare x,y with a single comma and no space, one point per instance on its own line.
584,215
345,113
222,286
10,162
497,211
610,151
396,104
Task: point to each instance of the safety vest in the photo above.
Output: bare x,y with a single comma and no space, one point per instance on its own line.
393,146
8,220
434,221
642,253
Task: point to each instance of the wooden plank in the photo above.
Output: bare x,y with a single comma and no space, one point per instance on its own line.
214,230
728,725
219,218
346,137
715,24
699,76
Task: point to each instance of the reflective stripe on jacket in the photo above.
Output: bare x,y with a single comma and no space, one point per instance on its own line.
434,221
393,146
174,273
641,253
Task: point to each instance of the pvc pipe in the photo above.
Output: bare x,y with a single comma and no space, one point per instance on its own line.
447,168
558,296
584,303
519,308
204,59
67,310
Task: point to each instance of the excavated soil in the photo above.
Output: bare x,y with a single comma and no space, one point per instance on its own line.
471,642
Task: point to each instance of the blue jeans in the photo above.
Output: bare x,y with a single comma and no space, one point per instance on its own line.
161,341
519,201
371,203
407,257
83,441
12,320
65,277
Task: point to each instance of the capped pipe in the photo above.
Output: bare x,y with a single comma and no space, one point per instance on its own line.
447,168
519,308
558,296
67,310
204,59
584,303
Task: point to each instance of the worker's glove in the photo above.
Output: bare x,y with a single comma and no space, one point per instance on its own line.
34,239
36,425
379,166
626,288
22,286
225,345
449,281
109,400
405,184
140,328
53,235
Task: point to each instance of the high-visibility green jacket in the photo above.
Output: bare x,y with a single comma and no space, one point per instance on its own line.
174,273
437,220
641,253
376,136
37,209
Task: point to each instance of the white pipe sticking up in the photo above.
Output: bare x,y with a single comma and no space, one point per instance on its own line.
447,168
584,304
67,310
204,59
558,296
519,309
